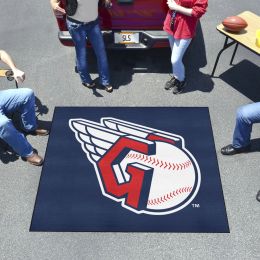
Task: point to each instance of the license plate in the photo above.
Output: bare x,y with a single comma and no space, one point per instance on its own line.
126,37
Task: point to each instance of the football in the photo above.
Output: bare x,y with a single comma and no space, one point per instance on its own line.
234,23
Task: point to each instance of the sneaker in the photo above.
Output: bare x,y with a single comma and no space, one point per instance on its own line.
89,85
170,84
178,86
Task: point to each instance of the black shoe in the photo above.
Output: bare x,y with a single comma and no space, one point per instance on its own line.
258,196
230,150
34,159
37,132
170,84
108,88
40,132
89,85
178,86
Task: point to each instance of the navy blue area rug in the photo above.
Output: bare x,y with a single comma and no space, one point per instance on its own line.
122,169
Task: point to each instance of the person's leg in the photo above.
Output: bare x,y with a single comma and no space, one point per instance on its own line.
27,111
178,47
96,38
14,138
20,101
78,34
170,83
246,116
178,50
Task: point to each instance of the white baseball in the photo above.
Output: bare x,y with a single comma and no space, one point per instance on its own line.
173,177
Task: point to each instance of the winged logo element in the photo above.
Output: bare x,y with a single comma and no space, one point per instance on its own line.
148,170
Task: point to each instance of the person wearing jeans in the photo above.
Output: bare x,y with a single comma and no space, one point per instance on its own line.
180,24
83,26
178,47
19,102
246,116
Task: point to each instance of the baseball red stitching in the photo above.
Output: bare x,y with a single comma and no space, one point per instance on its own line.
160,163
169,196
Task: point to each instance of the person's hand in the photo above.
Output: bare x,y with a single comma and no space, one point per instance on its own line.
58,11
172,5
18,75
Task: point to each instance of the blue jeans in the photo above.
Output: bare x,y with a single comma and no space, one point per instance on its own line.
17,101
80,33
179,47
246,116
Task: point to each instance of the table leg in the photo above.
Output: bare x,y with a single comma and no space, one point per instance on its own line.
226,45
234,53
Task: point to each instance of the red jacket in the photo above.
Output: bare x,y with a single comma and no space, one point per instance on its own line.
185,26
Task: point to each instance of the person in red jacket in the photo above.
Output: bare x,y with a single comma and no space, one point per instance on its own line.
180,24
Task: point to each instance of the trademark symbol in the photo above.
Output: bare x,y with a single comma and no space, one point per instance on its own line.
195,205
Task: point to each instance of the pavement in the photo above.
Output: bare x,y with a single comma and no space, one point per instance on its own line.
28,31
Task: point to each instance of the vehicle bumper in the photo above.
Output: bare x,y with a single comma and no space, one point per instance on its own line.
148,40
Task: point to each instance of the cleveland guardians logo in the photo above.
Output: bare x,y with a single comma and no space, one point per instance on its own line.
149,171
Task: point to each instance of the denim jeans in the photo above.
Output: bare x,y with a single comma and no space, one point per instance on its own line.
179,47
17,101
80,33
246,116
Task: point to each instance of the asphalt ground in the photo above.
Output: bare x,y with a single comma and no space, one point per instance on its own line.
28,31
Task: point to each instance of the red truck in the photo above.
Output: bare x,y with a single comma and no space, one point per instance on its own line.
133,24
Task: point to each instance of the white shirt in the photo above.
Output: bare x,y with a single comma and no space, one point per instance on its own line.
87,11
